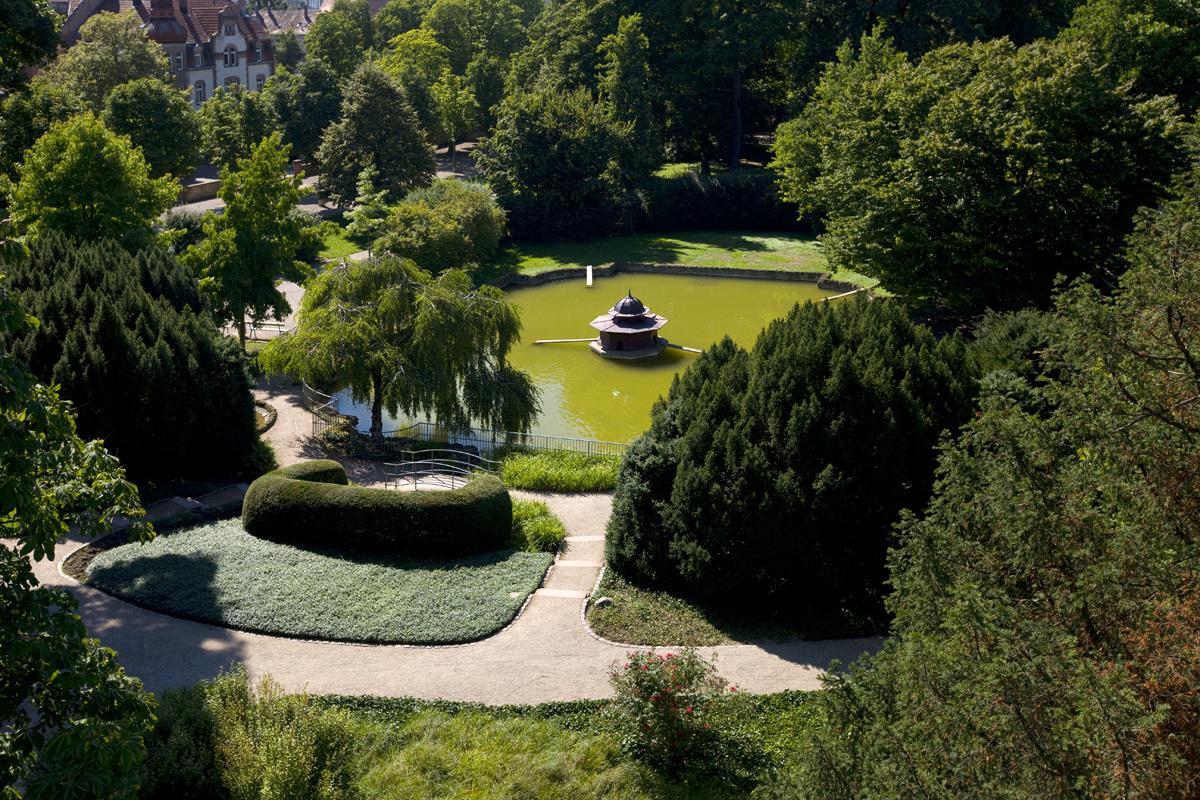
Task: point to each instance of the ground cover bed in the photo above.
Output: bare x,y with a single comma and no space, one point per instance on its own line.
219,574
648,617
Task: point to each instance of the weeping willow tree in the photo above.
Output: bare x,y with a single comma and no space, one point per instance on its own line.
406,341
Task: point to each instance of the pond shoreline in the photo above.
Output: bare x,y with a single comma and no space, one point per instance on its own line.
822,279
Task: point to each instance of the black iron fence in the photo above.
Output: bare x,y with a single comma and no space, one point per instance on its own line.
341,430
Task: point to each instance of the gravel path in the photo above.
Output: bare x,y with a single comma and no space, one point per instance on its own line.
546,654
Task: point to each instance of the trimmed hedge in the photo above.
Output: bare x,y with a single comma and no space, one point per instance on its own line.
314,504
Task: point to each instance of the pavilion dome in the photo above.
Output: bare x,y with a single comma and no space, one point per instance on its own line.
629,306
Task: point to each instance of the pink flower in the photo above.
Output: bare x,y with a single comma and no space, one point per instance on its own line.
733,688
688,709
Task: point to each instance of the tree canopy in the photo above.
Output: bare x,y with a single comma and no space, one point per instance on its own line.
556,161
398,152
973,177
255,242
83,180
232,123
73,720
409,343
304,103
29,39
770,479
127,339
160,121
112,49
25,116
341,36
1045,602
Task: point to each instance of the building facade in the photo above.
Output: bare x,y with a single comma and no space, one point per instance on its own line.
208,43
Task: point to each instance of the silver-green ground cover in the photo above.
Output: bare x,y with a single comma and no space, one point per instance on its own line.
220,574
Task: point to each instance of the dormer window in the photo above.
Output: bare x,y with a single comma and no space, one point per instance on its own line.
258,52
198,56
228,29
231,56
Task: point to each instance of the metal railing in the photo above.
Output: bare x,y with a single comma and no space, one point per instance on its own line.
437,468
331,424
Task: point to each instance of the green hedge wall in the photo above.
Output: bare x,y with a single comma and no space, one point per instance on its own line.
313,504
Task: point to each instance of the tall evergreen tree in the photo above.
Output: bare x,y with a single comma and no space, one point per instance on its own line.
770,480
126,338
73,720
1047,602
397,150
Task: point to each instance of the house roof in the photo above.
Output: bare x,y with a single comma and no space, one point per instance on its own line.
276,21
200,23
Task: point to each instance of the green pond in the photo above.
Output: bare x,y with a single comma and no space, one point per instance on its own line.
588,396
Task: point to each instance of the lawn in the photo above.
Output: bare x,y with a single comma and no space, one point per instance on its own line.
339,245
218,573
773,251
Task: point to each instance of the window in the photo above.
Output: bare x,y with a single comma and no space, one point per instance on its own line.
198,92
198,55
178,62
228,29
258,52
259,80
231,56
232,81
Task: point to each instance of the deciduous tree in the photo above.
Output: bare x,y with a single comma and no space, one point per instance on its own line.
160,121
232,123
341,37
304,103
29,39
83,180
410,343
457,110
973,177
112,49
254,243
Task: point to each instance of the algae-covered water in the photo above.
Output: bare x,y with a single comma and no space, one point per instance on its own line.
588,396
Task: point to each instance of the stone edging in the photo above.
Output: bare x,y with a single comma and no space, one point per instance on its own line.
271,414
58,566
822,279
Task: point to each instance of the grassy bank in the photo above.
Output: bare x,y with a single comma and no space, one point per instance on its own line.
559,471
773,251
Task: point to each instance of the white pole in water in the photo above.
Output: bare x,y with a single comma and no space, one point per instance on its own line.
589,276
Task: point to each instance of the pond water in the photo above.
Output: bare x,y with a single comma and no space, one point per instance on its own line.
588,396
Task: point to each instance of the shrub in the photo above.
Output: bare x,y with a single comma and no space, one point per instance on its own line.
662,706
744,200
560,471
313,504
535,529
449,224
771,479
225,739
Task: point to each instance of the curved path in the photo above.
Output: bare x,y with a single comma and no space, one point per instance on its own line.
546,654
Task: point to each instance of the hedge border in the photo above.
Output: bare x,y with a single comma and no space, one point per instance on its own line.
314,504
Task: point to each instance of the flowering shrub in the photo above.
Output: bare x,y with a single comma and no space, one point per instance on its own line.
663,705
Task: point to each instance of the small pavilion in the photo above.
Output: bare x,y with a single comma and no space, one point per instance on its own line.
629,331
